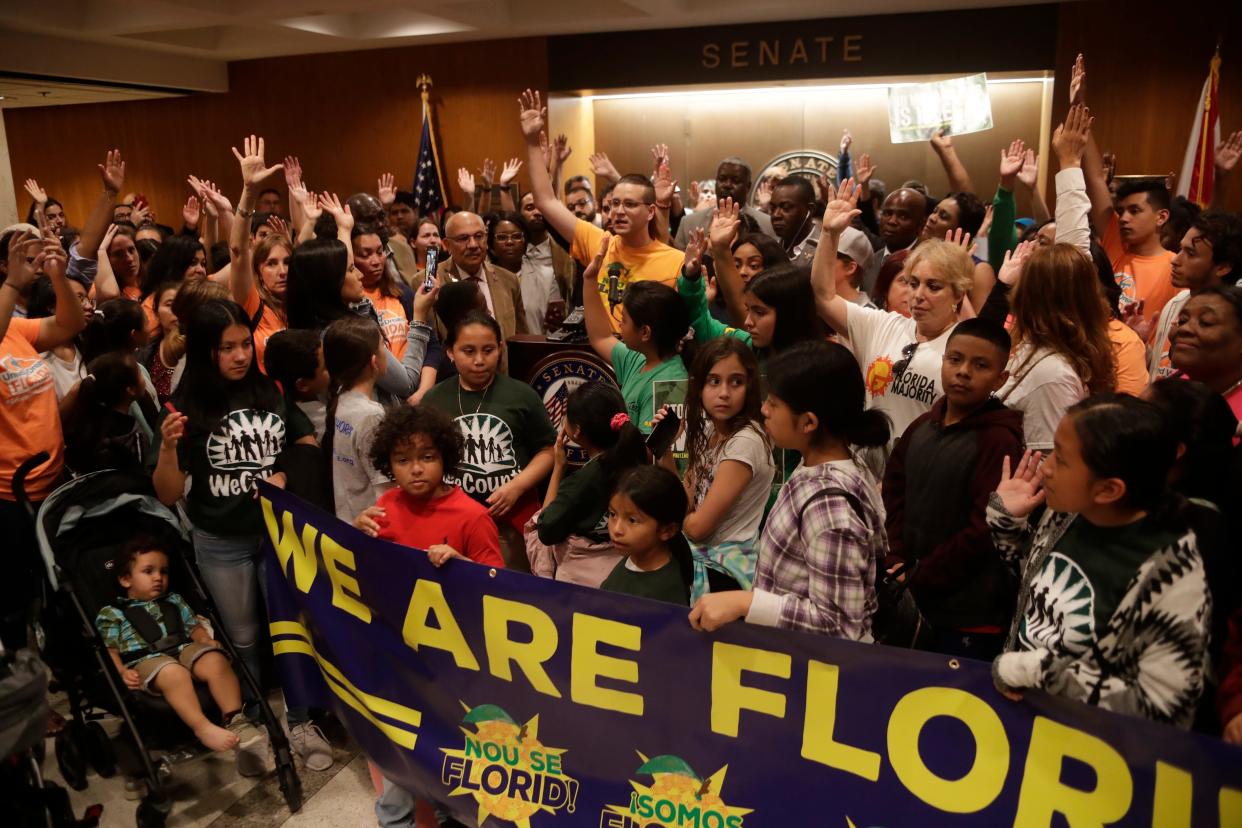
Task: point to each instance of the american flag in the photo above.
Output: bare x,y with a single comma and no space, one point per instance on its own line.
428,180
555,405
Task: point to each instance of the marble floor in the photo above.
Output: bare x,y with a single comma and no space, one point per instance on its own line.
209,793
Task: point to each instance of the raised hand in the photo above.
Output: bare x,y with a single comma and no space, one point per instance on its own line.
1070,139
386,189
509,171
726,220
763,193
842,206
209,196
1078,81
960,238
140,215
1030,169
330,204
40,195
987,223
21,272
694,191
278,225
1228,152
488,173
107,240
112,171
696,243
1011,162
846,140
310,206
863,170
1109,160
940,140
466,182
253,168
293,173
659,154
1023,490
1011,269
603,167
55,259
191,212
563,149
591,274
532,114
665,184
545,150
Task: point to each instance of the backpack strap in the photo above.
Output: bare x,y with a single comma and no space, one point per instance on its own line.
835,491
156,640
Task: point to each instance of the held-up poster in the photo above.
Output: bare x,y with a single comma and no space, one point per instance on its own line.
958,106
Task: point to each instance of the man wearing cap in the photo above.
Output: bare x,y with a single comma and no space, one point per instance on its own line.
732,181
854,257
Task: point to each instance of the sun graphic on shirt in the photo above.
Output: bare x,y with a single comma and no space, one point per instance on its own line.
879,376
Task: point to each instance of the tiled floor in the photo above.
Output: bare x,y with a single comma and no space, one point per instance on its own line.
208,793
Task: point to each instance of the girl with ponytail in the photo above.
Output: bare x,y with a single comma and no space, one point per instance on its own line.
353,353
568,538
824,539
101,431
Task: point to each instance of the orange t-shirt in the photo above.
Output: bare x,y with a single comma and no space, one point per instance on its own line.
29,418
1129,358
657,262
153,319
393,322
269,323
1141,278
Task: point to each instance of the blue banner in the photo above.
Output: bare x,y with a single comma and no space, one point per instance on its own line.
518,700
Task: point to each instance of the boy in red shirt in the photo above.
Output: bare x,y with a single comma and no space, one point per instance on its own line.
419,447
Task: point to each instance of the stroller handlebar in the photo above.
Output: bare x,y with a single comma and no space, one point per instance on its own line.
19,479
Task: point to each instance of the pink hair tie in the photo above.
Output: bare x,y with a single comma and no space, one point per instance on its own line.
619,421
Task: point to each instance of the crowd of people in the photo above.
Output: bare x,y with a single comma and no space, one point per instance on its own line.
909,418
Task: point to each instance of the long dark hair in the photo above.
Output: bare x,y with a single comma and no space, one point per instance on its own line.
823,378
349,346
592,407
769,248
661,308
787,290
170,261
720,348
112,328
203,395
1203,423
1129,439
659,494
474,317
107,384
313,291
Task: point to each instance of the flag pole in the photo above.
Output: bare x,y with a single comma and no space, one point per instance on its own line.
424,87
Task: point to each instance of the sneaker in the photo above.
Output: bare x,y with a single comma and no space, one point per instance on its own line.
254,754
308,742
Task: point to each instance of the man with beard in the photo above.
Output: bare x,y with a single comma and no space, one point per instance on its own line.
547,255
733,181
582,203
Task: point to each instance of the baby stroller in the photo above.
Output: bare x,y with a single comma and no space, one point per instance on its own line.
80,528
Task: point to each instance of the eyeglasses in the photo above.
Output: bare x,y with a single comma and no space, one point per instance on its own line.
907,353
478,238
627,204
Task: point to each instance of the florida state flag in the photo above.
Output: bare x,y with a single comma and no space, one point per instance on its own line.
1199,167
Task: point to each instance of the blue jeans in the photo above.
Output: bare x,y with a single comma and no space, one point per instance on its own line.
396,807
233,573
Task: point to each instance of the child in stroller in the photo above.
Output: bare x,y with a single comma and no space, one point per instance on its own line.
159,646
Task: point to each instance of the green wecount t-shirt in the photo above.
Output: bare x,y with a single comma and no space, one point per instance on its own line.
636,384
503,427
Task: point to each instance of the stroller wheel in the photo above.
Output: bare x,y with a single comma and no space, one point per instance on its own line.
153,812
70,760
98,749
290,786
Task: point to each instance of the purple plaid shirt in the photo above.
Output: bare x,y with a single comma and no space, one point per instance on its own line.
818,555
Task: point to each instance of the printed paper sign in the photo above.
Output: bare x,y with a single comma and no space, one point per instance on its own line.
957,106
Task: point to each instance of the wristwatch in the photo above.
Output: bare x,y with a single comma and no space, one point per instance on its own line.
243,213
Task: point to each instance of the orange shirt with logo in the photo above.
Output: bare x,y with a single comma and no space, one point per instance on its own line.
29,418
1148,279
394,324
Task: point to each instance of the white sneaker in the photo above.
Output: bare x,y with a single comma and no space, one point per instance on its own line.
308,742
254,754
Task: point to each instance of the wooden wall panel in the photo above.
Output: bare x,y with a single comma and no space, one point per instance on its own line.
349,116
1146,63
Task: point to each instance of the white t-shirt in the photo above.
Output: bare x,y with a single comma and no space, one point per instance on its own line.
538,283
1042,385
64,374
877,339
741,522
356,485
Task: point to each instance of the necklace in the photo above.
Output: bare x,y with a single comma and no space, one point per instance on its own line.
482,399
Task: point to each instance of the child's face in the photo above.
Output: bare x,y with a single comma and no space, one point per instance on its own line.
973,369
317,384
724,390
1069,484
235,352
417,466
631,334
147,578
783,424
633,531
760,321
476,355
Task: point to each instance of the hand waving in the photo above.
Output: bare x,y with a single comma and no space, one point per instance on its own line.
960,238
725,223
112,171
253,168
603,167
665,184
863,170
696,243
488,173
1011,269
1078,81
591,274
332,205
465,181
1030,169
1070,139
532,115
386,189
191,212
842,206
563,149
1228,152
1022,490
509,171
38,193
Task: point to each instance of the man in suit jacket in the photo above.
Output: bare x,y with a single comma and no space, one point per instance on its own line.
465,237
732,181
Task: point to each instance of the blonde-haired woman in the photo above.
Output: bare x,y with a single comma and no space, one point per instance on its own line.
900,356
1062,351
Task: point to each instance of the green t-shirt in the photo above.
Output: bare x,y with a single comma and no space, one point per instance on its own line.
580,507
1081,582
503,427
664,584
225,461
636,383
